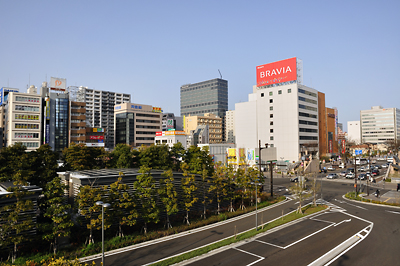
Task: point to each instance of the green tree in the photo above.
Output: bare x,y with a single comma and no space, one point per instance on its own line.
196,158
177,153
86,204
188,185
80,157
156,157
230,187
10,161
219,184
146,192
16,218
44,162
58,212
168,195
298,190
121,157
204,191
123,204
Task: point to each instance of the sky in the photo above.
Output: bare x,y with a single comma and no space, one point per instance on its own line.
350,49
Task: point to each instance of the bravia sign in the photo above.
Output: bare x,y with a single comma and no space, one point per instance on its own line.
277,72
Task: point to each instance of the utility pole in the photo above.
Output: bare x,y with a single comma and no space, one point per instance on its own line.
272,185
369,169
355,174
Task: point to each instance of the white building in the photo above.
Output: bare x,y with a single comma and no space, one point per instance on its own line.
170,138
285,117
23,119
100,109
230,126
378,125
354,131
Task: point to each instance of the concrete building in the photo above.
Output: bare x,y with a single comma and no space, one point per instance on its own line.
198,136
214,126
230,126
170,121
378,125
354,131
100,109
171,137
136,124
332,147
4,91
218,151
23,117
281,112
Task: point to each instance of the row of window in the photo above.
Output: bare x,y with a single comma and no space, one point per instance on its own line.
27,99
31,144
304,122
307,115
150,127
204,104
26,135
147,121
308,138
26,108
27,126
211,85
308,107
279,92
309,130
307,93
307,100
148,115
26,117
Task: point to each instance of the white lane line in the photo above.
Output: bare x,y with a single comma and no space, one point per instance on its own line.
393,212
255,262
263,242
318,220
344,221
308,236
244,251
353,205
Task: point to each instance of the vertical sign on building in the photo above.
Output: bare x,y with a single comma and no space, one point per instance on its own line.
58,84
47,121
170,123
336,123
1,96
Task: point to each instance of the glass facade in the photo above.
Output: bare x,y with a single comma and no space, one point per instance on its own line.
125,129
209,96
61,120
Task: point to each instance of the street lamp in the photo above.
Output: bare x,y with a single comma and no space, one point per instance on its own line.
270,166
103,205
257,184
284,165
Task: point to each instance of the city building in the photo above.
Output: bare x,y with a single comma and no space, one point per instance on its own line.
331,120
198,136
171,137
215,125
100,109
218,151
230,126
354,131
322,125
136,124
4,91
23,117
379,125
171,122
281,112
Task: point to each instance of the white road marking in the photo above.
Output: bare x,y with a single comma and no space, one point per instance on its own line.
393,212
244,251
269,244
344,221
308,236
353,205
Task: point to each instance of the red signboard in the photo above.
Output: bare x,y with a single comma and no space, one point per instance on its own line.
158,133
96,137
277,72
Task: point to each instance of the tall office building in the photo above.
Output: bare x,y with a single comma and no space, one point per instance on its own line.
230,126
281,112
100,109
378,125
209,96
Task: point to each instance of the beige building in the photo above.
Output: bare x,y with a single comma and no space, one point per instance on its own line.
214,124
136,124
23,119
230,126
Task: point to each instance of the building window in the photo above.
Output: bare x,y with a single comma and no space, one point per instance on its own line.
271,108
271,115
262,94
271,131
271,100
271,123
271,138
280,92
289,90
270,93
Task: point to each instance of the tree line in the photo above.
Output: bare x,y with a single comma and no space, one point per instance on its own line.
203,183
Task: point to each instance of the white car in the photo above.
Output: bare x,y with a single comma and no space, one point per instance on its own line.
332,176
331,168
350,175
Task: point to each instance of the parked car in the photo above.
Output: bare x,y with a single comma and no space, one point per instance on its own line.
362,177
362,169
297,178
343,173
373,161
350,170
375,172
342,165
331,168
384,165
323,170
350,175
332,176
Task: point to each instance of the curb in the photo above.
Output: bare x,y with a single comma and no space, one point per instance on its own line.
370,203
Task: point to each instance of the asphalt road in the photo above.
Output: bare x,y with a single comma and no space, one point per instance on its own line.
379,247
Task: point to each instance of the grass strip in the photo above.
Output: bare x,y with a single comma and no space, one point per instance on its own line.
353,196
307,210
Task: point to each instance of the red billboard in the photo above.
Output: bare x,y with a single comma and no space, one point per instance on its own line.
96,137
277,72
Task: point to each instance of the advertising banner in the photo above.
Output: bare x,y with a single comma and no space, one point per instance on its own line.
170,123
58,84
330,146
1,96
97,144
232,156
343,146
277,72
159,133
96,137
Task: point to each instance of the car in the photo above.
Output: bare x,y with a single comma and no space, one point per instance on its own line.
342,165
350,170
297,178
350,175
343,173
331,168
384,165
323,170
362,169
373,161
362,177
332,176
375,172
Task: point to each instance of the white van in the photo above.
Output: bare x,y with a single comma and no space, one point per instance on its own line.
390,159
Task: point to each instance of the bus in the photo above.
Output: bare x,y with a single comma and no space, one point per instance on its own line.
361,161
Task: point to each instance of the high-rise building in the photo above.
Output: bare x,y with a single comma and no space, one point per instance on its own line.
379,125
230,126
210,96
100,109
136,124
171,122
281,112
4,91
354,131
23,116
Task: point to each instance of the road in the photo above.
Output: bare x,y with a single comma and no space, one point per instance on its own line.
377,226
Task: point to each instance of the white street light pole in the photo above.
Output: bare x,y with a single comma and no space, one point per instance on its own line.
103,205
257,184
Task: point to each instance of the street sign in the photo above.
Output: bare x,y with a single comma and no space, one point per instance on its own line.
358,152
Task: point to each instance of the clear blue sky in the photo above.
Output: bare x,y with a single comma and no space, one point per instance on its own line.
350,49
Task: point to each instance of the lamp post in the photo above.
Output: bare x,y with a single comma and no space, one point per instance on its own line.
259,164
103,205
257,184
369,169
282,163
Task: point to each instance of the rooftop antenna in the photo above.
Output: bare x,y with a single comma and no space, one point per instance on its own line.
220,73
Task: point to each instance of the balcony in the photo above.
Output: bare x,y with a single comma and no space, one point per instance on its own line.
81,124
79,131
79,117
81,138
